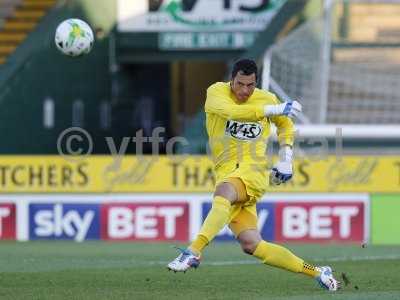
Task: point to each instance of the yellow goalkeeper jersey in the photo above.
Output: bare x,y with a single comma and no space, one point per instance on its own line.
238,135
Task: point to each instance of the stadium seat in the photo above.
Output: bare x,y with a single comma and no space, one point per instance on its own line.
17,19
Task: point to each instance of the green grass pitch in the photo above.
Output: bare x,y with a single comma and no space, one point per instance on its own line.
101,270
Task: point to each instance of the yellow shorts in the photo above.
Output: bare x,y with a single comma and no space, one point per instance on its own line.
250,183
243,214
253,177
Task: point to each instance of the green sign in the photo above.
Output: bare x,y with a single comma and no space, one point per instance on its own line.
205,40
196,15
385,222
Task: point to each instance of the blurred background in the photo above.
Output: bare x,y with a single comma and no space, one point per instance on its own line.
150,67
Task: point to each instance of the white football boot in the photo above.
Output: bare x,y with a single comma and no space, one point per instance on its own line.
326,279
184,261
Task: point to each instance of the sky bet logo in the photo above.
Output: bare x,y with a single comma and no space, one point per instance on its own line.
76,222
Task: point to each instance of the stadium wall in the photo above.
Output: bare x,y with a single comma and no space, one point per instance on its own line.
385,222
37,72
52,198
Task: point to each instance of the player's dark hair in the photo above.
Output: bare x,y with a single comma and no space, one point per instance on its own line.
245,67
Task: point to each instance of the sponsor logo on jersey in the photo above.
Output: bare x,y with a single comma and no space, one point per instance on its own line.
243,131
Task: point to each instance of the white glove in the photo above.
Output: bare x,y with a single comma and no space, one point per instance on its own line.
283,170
290,109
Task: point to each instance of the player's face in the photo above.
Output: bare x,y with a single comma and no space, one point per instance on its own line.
243,86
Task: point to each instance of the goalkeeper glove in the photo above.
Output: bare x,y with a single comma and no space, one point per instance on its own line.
290,109
283,170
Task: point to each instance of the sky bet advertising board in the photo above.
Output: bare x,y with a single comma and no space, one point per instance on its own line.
117,219
310,218
7,221
68,221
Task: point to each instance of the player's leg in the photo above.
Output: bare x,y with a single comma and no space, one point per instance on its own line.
244,226
227,193
273,254
220,214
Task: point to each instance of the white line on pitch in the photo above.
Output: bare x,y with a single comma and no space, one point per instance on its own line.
254,262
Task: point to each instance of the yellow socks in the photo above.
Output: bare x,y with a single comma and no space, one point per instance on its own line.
198,244
278,256
310,270
268,253
216,219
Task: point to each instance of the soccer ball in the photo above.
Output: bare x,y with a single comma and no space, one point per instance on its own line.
74,37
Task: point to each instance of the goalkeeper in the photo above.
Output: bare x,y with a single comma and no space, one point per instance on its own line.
238,121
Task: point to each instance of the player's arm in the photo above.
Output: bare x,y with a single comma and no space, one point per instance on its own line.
283,170
285,130
217,103
282,118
